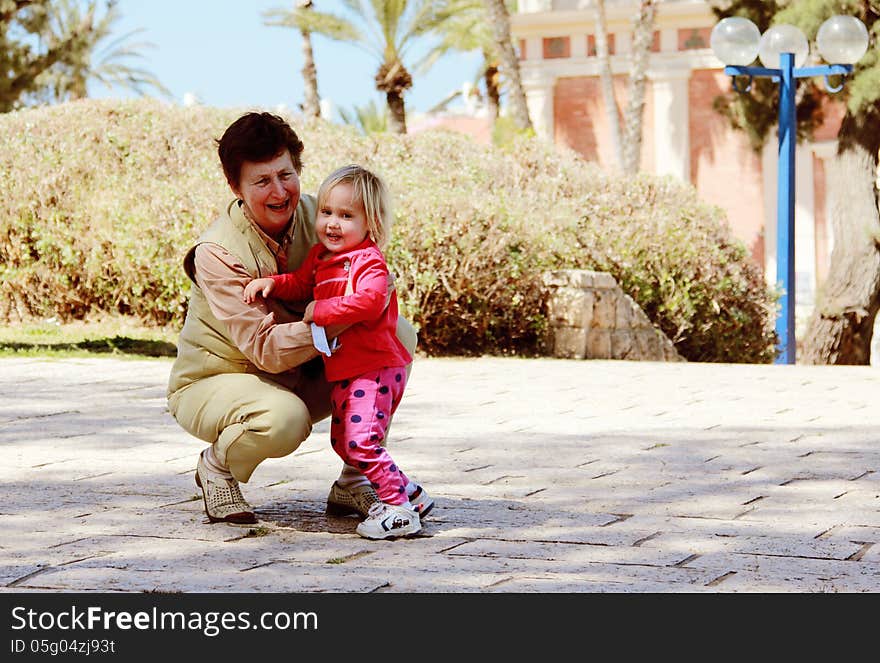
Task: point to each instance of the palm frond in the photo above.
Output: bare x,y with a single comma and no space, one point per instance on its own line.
369,119
104,57
315,22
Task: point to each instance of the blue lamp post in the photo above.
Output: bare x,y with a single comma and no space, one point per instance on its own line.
783,49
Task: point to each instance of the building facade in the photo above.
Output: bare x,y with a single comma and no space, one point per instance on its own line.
683,135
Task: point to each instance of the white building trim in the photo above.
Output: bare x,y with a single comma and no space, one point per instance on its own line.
672,149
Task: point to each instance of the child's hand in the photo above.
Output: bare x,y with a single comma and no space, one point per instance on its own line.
309,314
256,287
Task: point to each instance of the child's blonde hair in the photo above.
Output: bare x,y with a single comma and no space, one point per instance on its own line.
367,189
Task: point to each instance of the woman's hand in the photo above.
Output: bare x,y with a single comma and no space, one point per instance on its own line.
391,289
256,287
309,313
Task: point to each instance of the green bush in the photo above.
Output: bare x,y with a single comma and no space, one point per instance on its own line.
100,199
672,254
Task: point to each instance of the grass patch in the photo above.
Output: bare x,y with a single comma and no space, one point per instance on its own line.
120,337
348,558
258,531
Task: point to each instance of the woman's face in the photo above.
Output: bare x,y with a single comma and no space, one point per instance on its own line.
270,191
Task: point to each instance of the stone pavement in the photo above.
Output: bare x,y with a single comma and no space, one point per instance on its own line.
549,476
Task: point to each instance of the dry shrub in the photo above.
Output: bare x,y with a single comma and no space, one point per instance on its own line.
100,199
677,258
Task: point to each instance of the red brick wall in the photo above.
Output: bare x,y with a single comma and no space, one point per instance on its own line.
578,117
478,128
833,111
581,123
724,168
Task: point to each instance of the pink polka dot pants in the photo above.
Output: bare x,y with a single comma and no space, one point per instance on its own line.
361,412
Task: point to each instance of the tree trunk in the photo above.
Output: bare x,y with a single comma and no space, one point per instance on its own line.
500,21
396,112
79,88
643,32
607,80
311,101
493,94
840,329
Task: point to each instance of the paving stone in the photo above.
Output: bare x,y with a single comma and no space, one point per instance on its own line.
549,475
764,573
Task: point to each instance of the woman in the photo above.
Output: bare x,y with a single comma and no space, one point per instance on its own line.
244,379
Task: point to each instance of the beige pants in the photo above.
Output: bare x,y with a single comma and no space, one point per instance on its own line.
251,417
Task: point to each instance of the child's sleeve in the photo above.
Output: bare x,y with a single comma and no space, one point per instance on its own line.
297,285
369,280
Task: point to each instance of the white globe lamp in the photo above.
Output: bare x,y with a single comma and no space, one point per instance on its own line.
783,39
842,40
734,40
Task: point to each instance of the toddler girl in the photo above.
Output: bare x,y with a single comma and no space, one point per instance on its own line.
347,275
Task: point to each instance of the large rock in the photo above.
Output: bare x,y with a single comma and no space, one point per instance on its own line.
592,318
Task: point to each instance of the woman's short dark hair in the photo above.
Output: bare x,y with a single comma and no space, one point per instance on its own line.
256,137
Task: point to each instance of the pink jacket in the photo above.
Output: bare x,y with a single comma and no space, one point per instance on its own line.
371,341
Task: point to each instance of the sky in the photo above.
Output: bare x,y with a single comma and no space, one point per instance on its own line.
221,52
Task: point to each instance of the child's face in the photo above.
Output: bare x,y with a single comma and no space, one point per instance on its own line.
341,222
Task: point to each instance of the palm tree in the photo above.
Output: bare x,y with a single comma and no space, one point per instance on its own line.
465,28
387,30
499,19
626,134
103,60
304,18
394,26
607,80
643,31
27,51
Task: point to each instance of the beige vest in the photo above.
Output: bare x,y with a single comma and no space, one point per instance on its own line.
204,347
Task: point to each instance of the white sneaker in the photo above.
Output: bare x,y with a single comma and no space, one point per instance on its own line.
421,502
388,521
